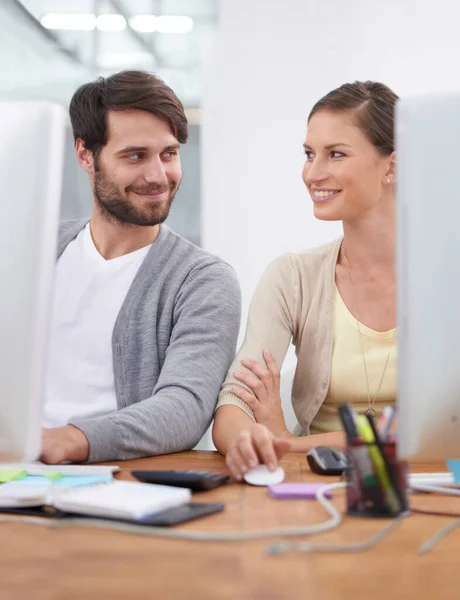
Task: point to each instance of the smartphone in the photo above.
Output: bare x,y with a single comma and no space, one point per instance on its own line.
181,514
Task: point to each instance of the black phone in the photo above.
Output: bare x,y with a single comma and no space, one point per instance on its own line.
197,481
181,514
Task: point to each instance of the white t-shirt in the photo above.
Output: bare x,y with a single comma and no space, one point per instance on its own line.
89,292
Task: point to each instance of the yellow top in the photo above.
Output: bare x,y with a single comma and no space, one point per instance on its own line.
348,378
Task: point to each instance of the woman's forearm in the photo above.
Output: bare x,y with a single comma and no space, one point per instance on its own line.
229,421
307,442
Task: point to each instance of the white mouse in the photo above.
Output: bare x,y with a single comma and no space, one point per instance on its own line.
262,476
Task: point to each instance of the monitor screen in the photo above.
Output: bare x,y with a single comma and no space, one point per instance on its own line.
428,282
31,166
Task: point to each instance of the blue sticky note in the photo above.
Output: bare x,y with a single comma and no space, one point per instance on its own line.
83,480
454,466
73,480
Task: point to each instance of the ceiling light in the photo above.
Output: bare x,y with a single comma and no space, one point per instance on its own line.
71,21
163,24
170,24
116,22
110,22
143,23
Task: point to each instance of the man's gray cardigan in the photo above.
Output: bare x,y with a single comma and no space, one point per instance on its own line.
172,344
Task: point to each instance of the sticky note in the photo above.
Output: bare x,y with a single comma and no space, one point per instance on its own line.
7,475
454,466
83,481
52,475
72,480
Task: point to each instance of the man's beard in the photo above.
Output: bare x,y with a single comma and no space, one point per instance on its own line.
121,209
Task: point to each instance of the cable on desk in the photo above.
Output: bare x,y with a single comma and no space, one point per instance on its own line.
429,544
418,487
439,490
435,513
283,547
203,536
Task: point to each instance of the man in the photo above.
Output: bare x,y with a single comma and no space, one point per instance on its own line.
144,323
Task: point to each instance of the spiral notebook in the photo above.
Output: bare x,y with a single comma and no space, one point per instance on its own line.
121,500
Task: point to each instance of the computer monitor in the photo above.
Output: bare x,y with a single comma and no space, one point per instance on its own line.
428,276
31,165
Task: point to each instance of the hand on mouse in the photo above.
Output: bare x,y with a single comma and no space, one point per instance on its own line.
264,400
253,447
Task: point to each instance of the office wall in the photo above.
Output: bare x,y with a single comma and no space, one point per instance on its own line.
271,61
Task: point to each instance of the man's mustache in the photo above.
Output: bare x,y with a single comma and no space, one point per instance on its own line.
151,189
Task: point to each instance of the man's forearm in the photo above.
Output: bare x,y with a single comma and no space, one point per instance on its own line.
167,422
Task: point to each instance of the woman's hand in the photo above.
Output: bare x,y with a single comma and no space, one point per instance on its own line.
253,447
265,400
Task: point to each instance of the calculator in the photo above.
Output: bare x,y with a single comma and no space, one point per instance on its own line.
197,481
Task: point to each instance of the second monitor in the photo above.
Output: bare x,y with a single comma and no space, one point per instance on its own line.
428,276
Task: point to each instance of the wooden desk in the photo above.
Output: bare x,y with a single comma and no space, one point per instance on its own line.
70,563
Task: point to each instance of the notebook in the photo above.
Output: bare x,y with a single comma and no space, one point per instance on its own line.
122,500
21,494
36,490
74,470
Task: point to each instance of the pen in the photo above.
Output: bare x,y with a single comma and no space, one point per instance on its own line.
395,470
389,414
368,436
359,453
348,421
383,420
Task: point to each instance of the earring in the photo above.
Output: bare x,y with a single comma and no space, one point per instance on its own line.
388,179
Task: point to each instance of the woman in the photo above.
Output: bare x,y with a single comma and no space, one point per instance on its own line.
336,302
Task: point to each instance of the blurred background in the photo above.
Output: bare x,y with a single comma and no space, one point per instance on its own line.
50,47
248,73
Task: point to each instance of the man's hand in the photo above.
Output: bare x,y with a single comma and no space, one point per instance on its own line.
64,444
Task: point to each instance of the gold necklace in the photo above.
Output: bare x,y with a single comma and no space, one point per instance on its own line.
370,410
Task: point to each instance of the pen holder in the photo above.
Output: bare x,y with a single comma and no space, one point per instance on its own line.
377,480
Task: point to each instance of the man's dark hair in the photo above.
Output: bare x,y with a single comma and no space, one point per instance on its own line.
123,91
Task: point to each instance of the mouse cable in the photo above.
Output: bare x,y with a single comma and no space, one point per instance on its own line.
201,536
287,546
282,547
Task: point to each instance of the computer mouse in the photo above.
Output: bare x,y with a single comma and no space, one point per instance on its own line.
324,460
262,476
